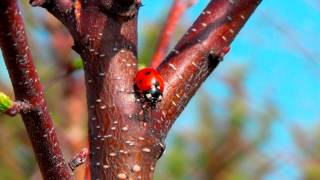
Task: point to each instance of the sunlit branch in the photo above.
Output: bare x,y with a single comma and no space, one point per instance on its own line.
27,88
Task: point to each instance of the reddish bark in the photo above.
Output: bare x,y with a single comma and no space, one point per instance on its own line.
198,53
126,139
27,89
17,107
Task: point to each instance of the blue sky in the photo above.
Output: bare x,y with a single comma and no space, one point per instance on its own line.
278,69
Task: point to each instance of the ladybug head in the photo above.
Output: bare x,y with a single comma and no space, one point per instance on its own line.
154,94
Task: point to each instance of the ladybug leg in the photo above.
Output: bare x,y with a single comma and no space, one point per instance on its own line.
140,99
153,106
143,114
140,116
147,111
146,117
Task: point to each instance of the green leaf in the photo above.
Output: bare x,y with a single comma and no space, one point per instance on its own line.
5,102
77,64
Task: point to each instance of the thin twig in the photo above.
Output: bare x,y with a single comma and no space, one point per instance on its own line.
27,88
176,11
61,9
17,107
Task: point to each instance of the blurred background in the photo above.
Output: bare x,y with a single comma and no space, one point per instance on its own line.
256,117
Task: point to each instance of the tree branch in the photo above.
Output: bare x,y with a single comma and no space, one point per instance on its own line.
175,13
64,10
125,137
27,88
120,146
198,53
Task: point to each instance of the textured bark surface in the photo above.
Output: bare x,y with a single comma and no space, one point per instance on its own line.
126,136
198,53
120,144
27,89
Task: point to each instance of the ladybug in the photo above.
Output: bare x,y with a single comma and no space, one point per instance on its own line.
149,85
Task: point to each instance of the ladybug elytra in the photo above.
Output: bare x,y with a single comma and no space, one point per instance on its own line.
149,84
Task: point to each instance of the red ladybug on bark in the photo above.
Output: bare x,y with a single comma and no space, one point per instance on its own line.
149,84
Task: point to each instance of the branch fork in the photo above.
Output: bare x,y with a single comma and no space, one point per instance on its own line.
120,146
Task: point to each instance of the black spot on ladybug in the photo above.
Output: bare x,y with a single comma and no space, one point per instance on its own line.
140,81
147,73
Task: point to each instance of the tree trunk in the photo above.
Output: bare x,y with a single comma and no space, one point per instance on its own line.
126,136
